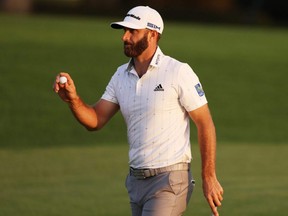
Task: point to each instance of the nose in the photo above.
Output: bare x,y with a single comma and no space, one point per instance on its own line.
125,35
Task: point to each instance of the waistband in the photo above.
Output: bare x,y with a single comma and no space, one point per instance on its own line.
146,173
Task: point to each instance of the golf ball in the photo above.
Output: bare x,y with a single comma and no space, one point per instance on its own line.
63,80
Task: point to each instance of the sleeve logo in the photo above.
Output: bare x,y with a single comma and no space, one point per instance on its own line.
199,90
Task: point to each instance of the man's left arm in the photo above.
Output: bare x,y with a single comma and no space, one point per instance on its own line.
212,189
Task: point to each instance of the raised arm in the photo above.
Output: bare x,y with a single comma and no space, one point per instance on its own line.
212,189
92,117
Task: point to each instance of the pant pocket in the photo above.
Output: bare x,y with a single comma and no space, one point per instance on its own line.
178,181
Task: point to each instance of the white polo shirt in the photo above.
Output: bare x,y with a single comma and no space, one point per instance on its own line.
155,109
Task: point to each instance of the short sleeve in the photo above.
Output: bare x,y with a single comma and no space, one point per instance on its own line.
110,92
191,93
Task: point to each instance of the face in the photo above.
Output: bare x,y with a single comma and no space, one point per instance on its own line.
135,42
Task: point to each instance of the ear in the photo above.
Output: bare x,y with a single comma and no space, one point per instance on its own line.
153,35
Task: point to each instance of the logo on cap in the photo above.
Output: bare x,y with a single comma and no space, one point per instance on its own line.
133,16
151,25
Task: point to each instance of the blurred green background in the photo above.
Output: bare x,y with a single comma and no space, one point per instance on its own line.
50,165
243,71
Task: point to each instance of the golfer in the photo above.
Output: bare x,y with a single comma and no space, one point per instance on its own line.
157,96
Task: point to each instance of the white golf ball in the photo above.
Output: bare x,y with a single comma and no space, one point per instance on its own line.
63,80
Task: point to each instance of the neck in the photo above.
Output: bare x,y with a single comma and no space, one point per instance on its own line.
142,62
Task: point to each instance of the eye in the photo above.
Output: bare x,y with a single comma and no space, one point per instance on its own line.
132,31
128,30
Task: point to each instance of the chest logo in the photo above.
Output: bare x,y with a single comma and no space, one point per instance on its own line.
159,88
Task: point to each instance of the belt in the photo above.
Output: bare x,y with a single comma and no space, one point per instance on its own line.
146,173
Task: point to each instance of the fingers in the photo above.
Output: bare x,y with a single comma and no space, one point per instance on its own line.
215,213
213,206
66,91
69,79
215,197
57,85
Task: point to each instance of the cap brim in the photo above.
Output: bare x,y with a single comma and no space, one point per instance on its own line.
124,24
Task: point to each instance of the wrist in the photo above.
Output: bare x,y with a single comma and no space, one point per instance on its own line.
75,102
208,175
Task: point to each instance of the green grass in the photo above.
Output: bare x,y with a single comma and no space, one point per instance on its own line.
243,71
63,181
50,165
90,181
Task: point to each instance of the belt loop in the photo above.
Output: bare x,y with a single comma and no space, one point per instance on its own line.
146,173
153,172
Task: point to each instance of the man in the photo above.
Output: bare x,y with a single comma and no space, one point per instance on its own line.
156,95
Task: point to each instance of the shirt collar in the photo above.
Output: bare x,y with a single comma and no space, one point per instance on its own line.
155,62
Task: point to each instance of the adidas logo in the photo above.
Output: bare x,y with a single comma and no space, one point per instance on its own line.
159,88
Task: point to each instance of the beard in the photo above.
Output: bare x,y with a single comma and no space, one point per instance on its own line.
136,49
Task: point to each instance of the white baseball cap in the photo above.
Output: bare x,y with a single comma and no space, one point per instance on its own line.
141,17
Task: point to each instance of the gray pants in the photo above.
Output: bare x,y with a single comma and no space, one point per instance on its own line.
166,194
